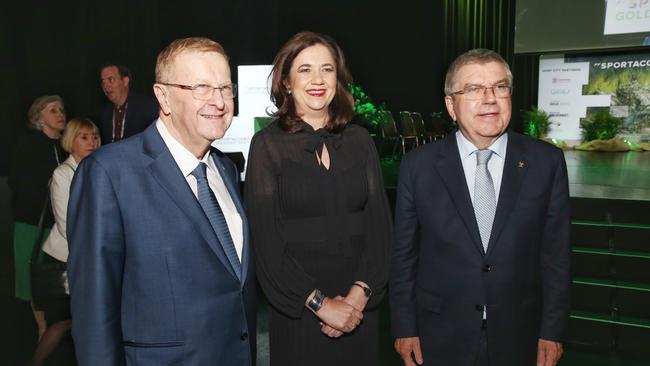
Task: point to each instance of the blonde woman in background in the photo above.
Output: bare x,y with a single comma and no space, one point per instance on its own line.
80,139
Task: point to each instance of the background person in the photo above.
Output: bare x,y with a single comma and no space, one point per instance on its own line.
35,155
127,113
319,215
80,138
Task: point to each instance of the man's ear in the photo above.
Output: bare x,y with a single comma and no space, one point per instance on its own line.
127,80
449,103
163,102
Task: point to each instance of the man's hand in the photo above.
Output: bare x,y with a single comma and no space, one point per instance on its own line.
409,348
548,352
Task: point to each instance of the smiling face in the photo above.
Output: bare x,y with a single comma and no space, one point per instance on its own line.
195,123
53,119
481,121
85,142
312,82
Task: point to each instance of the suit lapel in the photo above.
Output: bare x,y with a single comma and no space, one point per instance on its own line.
514,171
450,169
234,195
168,175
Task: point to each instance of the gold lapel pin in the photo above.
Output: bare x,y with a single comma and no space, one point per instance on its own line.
521,164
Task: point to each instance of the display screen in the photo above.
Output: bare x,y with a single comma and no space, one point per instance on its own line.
579,25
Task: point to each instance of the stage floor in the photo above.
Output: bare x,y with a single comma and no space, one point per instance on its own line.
609,175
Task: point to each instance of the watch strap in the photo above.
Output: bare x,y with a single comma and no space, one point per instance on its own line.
366,290
317,301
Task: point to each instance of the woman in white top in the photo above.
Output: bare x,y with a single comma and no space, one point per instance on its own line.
80,138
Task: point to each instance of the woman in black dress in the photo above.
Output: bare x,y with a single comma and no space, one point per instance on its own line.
34,156
319,216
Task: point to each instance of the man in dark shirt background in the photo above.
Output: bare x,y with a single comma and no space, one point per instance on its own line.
127,113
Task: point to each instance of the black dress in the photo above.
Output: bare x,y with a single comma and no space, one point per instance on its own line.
317,228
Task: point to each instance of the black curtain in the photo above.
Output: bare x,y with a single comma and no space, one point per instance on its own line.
491,24
398,52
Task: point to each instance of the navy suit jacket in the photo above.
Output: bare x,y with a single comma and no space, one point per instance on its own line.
150,283
440,276
140,112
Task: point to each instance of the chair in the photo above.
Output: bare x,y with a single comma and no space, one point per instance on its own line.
389,131
419,126
436,127
407,128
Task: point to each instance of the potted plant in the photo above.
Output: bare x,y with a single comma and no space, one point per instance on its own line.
600,125
536,122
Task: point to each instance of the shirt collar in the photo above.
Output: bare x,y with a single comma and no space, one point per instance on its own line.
70,160
467,148
185,160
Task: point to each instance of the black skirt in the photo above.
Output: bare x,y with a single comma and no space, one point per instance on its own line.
55,310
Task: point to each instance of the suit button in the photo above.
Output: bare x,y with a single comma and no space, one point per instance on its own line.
479,307
244,336
487,268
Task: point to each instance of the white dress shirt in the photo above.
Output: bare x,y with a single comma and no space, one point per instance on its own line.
187,162
56,244
468,151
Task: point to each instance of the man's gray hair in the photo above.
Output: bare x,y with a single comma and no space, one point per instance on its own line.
475,56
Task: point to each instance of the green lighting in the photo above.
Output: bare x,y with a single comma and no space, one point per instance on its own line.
364,108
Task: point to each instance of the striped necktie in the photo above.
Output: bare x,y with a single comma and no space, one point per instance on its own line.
213,211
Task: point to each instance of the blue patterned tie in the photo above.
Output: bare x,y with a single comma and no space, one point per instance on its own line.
485,202
212,210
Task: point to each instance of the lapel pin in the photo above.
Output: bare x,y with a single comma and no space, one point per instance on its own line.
521,164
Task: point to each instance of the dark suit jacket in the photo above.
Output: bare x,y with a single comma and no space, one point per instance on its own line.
140,112
440,277
149,280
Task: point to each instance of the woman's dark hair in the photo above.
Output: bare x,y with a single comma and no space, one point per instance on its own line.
341,109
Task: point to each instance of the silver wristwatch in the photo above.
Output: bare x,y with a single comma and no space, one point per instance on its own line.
317,301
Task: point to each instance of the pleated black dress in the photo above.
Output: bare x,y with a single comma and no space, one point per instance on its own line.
317,228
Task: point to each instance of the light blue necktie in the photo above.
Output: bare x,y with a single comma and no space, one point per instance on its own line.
485,202
213,211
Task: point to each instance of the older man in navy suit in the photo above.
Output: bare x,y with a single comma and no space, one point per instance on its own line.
160,259
481,261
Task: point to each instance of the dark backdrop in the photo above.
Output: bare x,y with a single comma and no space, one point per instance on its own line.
398,51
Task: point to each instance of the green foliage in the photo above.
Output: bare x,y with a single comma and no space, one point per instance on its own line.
607,81
536,122
600,126
364,107
634,95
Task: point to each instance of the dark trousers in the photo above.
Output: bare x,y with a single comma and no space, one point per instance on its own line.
482,359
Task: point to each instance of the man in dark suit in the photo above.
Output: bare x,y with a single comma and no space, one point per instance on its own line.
127,113
481,260
160,260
